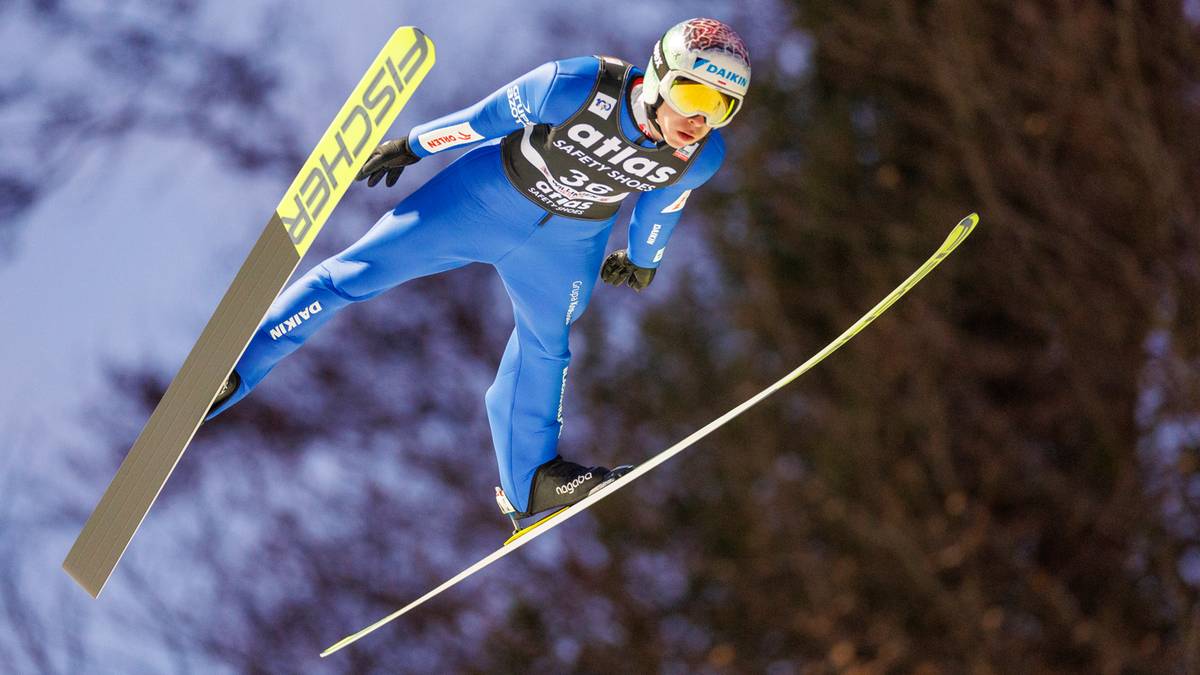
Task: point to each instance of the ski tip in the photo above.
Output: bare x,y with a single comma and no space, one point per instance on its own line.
417,33
957,235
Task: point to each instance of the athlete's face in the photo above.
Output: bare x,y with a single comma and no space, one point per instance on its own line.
679,130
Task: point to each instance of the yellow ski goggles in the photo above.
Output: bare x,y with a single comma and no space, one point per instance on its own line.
689,97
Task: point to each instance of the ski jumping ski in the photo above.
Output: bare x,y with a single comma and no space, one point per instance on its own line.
528,534
357,129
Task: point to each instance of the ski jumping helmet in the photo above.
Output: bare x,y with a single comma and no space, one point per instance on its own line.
698,50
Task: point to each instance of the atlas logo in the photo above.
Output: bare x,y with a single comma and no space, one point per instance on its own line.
714,69
346,141
617,153
570,488
295,320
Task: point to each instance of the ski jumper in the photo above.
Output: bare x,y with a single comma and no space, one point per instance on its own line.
556,152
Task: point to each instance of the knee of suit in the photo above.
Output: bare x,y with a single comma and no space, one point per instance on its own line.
498,399
549,341
549,353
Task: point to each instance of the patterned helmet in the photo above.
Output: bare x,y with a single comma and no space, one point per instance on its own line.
703,50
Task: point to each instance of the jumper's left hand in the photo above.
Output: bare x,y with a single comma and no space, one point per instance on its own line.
618,269
389,159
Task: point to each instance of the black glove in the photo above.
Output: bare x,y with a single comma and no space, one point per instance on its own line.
389,158
619,269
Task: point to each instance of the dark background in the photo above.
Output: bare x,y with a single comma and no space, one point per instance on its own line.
1001,475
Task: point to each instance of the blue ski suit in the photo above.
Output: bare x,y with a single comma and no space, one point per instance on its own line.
474,211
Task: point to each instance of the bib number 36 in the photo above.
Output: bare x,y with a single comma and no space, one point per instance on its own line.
579,179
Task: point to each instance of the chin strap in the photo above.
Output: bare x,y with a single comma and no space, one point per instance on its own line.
643,114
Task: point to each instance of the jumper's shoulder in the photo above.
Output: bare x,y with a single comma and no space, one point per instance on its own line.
572,83
579,66
711,156
714,149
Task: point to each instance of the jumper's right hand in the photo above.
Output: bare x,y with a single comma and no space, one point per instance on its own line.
618,269
389,159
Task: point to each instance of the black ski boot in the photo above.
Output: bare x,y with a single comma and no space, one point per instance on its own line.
231,385
558,484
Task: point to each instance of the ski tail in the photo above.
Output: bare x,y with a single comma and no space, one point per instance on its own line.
358,128
956,237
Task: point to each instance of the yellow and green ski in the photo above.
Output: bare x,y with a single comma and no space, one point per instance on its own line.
525,535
